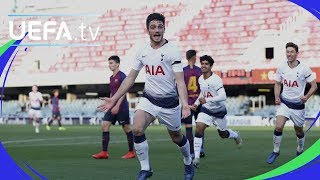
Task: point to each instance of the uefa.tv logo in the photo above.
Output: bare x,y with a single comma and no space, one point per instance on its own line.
53,31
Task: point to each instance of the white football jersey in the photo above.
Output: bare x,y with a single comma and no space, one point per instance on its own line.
209,88
294,80
35,99
160,65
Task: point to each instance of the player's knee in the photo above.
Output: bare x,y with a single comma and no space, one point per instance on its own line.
199,135
105,127
137,131
126,128
223,134
299,133
176,138
200,131
279,129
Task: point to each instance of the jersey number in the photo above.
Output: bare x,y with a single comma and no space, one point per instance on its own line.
192,84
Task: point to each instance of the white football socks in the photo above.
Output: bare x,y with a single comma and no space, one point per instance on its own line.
232,134
197,146
142,150
36,124
276,143
185,151
300,144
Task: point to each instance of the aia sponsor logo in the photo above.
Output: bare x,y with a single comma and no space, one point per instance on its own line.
207,94
290,83
154,70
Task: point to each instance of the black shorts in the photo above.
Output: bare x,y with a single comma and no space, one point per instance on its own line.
188,120
56,114
122,117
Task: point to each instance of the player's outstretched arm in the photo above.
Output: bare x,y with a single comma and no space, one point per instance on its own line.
311,91
182,90
277,90
126,84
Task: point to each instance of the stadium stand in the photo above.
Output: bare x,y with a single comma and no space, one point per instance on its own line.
223,29
121,30
240,105
311,47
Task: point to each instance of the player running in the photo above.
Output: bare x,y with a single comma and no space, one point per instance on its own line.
213,110
162,62
56,115
191,76
120,112
293,75
35,100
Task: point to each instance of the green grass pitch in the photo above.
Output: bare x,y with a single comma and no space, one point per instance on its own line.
67,154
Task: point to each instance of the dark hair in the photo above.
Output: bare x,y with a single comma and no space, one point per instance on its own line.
155,16
190,53
55,90
207,58
291,44
115,58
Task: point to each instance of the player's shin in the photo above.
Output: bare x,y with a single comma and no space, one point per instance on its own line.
130,140
105,140
184,148
189,135
142,150
59,123
37,125
50,122
197,145
277,137
300,141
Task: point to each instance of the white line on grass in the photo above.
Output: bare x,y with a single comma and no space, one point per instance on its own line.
79,143
45,139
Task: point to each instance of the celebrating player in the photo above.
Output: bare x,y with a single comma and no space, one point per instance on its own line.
35,100
191,76
120,112
55,111
213,110
162,62
293,75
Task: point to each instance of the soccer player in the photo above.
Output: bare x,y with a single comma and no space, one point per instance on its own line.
191,76
120,112
164,77
213,110
35,100
293,75
55,111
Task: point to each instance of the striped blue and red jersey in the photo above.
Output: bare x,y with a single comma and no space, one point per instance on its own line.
191,76
55,104
115,82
